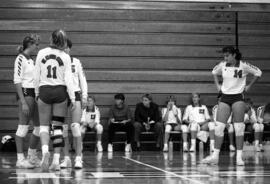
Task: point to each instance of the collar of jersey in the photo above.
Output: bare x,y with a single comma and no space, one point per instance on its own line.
26,56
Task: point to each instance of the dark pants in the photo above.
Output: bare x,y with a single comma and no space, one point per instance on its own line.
117,127
157,128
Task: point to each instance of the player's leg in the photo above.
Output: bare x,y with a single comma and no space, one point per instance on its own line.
211,127
59,112
66,162
128,127
34,139
261,136
111,131
21,133
137,132
223,114
44,111
168,129
185,131
238,109
231,135
99,131
158,129
257,135
205,128
193,133
76,132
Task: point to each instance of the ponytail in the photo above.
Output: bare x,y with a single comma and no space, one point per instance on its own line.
232,50
28,41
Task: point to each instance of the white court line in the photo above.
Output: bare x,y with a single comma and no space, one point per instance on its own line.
167,172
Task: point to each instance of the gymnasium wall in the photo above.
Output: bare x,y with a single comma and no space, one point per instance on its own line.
139,47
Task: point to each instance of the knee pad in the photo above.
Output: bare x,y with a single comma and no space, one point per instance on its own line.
36,131
22,130
239,129
194,127
219,129
65,130
211,126
76,129
230,129
184,128
257,127
44,129
168,128
57,136
99,129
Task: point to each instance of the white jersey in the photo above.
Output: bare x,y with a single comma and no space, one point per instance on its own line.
53,68
171,117
91,118
214,113
234,78
79,80
24,68
197,114
252,118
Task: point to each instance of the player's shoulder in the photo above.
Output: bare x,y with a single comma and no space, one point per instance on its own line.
20,58
203,106
75,60
189,107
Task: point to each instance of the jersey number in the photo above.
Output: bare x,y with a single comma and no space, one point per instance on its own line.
237,74
51,72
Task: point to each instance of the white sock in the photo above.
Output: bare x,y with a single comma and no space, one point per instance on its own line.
193,142
56,158
185,144
216,153
98,142
32,152
212,142
45,149
256,142
20,156
67,158
239,154
78,158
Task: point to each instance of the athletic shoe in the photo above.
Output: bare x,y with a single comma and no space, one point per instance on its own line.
185,148
110,148
232,148
34,160
165,148
55,167
212,147
211,160
240,162
99,147
66,163
24,164
192,148
128,148
78,163
45,162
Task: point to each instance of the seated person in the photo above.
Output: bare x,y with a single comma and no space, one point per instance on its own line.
229,128
171,116
196,118
91,120
147,118
263,113
251,123
120,119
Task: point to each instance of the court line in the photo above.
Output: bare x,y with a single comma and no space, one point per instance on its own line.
167,172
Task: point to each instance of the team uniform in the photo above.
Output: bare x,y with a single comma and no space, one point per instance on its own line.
23,73
195,115
234,80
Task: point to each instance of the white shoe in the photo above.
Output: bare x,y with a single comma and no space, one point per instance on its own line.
99,147
78,163
192,148
211,160
24,164
55,167
128,148
232,148
34,160
66,163
110,148
257,148
240,162
212,147
185,148
165,148
45,162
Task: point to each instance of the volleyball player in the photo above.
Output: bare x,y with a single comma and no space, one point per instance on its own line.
196,118
23,80
53,79
80,88
234,73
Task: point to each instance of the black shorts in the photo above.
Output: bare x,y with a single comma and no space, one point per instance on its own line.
231,99
78,97
27,92
53,94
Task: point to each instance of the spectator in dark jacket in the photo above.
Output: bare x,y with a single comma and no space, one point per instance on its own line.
148,118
